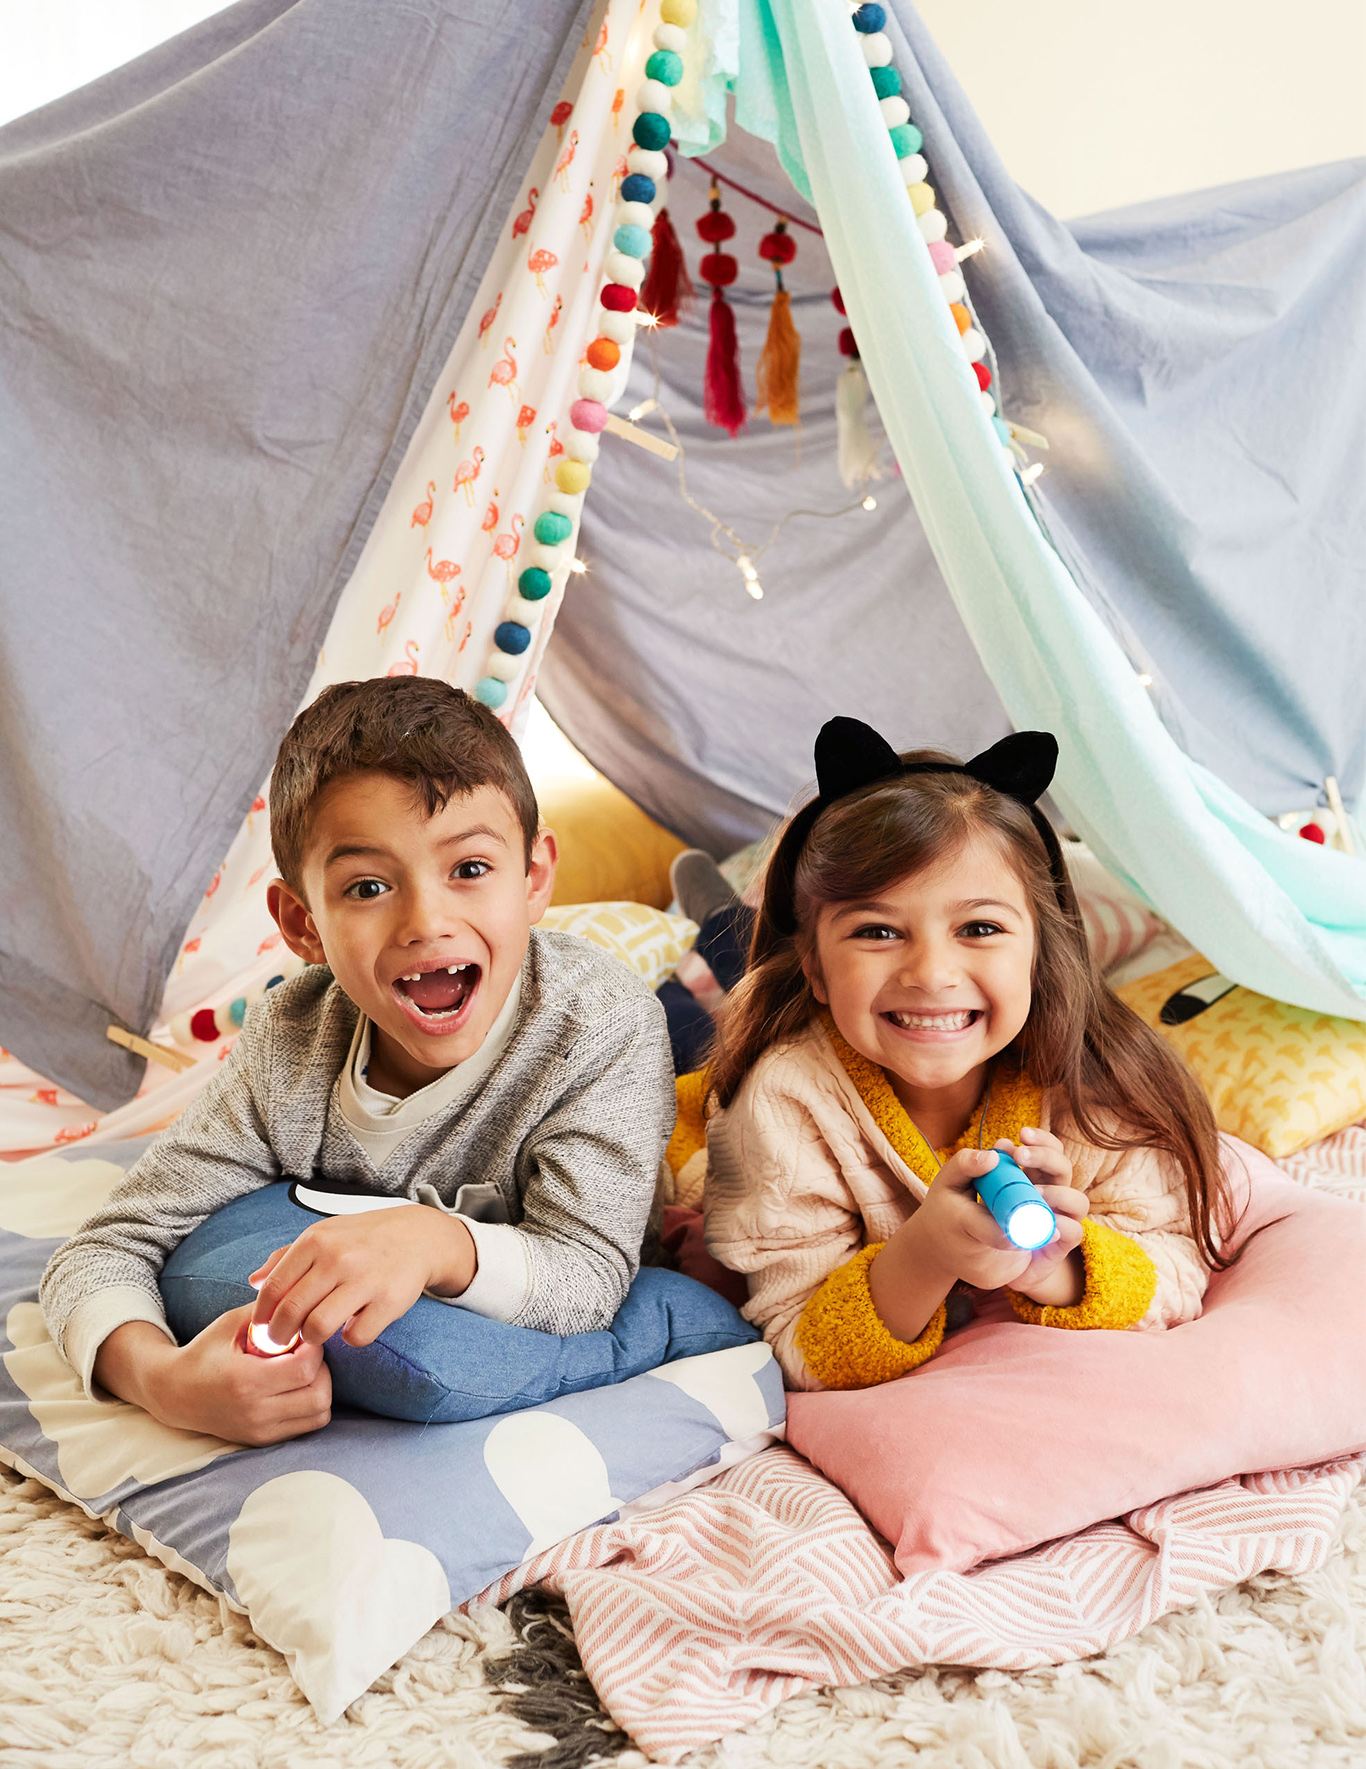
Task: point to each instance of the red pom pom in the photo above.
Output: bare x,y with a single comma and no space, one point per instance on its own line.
715,226
719,269
203,1026
983,374
777,248
837,300
848,347
1310,832
617,298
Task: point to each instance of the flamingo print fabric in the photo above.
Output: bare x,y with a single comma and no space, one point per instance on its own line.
442,558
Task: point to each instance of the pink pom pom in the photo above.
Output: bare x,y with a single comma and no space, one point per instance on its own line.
588,414
941,256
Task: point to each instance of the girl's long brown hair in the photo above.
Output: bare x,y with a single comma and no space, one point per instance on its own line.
1125,1087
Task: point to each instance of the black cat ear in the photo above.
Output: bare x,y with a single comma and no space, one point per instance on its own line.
1021,765
850,754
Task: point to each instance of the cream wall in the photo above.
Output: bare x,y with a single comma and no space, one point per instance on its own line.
1091,103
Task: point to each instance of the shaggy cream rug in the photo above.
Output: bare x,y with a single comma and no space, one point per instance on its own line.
107,1659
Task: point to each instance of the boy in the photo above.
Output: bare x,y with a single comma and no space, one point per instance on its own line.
437,1041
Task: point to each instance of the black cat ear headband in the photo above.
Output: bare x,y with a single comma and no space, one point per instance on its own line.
851,755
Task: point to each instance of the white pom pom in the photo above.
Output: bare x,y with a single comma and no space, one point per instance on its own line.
181,1034
933,225
988,404
877,48
621,267
634,215
650,162
523,612
952,284
597,383
505,666
653,95
974,344
566,503
671,37
619,327
222,1018
914,169
894,110
545,558
581,445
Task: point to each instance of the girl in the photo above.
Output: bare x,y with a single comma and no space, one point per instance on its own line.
921,992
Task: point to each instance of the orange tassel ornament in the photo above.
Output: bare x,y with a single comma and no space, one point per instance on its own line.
778,375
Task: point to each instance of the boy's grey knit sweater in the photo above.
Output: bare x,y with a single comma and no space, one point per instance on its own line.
570,1123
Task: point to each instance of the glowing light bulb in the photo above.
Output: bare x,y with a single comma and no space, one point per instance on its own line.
1145,681
968,249
1030,474
747,570
578,565
637,412
263,1344
755,588
870,503
648,320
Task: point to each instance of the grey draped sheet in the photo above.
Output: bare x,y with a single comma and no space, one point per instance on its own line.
1198,365
229,273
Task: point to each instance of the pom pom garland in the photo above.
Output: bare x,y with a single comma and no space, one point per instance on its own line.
719,269
573,476
837,301
678,12
584,414
778,247
490,691
635,215
617,298
649,162
777,376
550,528
622,268
534,583
634,241
723,397
664,66
204,1026
594,384
602,353
907,141
511,637
637,188
669,37
654,96
716,226
619,327
582,445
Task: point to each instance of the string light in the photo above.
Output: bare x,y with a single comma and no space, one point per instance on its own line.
1030,474
578,565
648,320
870,503
1145,681
637,412
968,249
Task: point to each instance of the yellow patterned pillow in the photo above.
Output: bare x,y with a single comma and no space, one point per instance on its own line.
1277,1076
646,939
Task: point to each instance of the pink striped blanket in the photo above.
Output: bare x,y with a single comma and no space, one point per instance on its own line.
695,1619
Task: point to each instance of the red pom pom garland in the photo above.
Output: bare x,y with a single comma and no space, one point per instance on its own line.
723,395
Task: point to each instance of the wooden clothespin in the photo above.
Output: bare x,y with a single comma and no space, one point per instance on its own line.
155,1053
616,426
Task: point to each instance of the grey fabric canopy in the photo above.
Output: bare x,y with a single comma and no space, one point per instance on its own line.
229,273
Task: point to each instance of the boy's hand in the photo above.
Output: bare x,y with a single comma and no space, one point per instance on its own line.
213,1385
358,1274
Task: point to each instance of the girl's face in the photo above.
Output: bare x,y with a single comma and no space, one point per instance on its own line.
930,978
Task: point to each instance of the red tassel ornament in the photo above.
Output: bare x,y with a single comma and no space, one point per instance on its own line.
667,286
723,396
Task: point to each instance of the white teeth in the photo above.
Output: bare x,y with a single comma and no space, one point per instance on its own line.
941,1022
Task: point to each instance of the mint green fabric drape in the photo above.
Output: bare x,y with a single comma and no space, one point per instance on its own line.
1271,911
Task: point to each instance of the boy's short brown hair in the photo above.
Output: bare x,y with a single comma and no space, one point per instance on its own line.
439,739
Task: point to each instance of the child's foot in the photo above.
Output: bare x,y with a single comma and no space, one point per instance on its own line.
699,885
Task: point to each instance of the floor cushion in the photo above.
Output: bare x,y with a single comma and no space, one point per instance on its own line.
437,1363
1013,1434
346,1545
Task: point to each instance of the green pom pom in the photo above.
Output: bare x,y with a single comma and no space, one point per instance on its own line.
906,140
664,66
491,691
534,583
651,131
552,528
886,81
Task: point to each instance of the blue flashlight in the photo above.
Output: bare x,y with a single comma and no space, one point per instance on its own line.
1014,1201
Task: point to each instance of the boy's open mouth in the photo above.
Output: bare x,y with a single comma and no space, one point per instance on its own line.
439,996
958,1021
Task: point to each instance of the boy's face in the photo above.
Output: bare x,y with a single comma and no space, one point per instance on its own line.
424,921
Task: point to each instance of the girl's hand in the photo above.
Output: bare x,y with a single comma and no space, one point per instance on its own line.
958,1235
357,1274
1053,1278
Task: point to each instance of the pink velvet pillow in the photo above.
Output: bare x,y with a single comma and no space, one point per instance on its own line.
1014,1435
